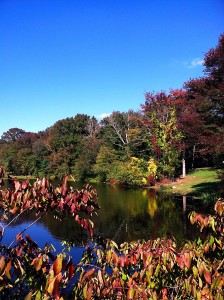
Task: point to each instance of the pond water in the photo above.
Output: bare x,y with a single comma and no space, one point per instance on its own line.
124,215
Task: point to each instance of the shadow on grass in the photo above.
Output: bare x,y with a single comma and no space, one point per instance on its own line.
213,188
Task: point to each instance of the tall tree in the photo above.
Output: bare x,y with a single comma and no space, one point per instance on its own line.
122,132
164,137
206,94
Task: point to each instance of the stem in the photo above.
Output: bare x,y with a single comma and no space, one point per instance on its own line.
20,233
221,264
14,219
72,178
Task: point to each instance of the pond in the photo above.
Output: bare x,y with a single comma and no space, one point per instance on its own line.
124,215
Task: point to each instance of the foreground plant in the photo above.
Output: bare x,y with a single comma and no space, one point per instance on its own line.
154,269
25,269
157,269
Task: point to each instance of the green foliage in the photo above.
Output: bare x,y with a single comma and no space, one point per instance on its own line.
186,123
106,158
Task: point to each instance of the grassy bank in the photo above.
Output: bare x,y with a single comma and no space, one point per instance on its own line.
197,183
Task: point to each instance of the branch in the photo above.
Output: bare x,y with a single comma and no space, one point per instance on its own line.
20,233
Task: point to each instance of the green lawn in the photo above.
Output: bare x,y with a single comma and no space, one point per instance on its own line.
198,182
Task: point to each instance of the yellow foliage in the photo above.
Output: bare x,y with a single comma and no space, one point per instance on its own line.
144,181
152,167
152,206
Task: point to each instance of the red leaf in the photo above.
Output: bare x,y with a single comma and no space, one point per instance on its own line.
85,197
71,271
207,276
18,237
121,261
180,261
17,185
61,204
25,184
56,292
89,292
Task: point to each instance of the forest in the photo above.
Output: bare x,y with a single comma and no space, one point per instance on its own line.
170,134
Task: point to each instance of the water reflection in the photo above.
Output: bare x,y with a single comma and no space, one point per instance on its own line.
125,215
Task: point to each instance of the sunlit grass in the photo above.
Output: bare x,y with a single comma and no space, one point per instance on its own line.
198,183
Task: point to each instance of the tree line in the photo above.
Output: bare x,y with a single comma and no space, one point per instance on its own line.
170,133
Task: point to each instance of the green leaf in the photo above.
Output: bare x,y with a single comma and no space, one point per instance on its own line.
212,223
38,296
195,271
211,240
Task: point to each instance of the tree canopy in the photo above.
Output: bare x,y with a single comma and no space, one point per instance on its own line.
187,124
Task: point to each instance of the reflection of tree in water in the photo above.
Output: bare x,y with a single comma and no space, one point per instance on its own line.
68,229
125,215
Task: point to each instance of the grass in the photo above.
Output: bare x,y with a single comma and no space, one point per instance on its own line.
197,183
202,183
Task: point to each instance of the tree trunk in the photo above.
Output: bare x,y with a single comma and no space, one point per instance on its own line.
183,165
193,156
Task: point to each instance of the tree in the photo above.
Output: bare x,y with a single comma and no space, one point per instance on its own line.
83,168
164,137
64,143
12,134
206,95
105,161
122,132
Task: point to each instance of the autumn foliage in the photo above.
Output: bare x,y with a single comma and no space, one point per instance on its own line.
154,269
182,125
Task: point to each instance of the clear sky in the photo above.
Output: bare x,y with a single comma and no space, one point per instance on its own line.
63,57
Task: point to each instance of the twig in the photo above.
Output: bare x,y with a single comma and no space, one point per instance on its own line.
221,264
14,219
20,233
73,178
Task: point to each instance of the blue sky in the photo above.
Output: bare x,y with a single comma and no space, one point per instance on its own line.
63,57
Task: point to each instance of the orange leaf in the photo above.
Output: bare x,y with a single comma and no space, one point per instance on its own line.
207,276
100,278
2,264
7,269
50,282
57,266
187,260
115,259
180,261
37,262
205,291
28,296
130,293
89,273
18,237
89,293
